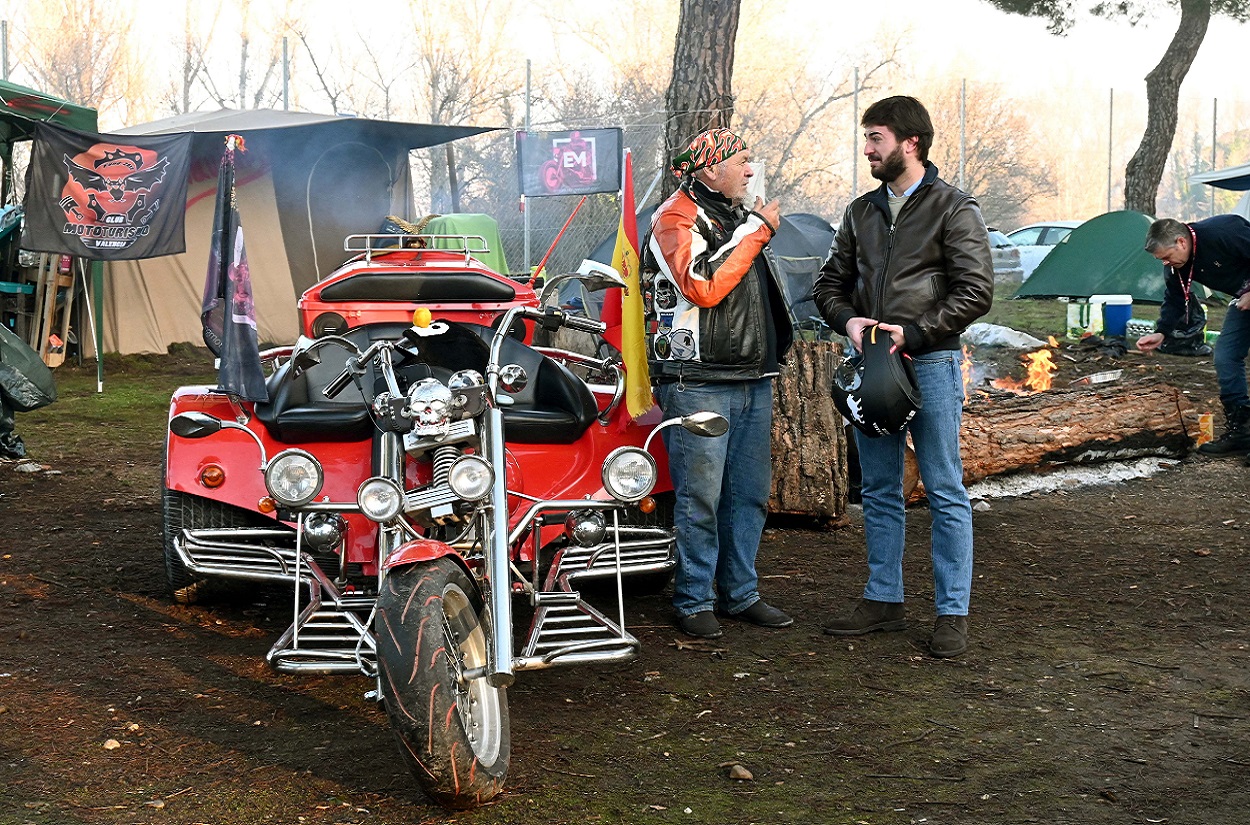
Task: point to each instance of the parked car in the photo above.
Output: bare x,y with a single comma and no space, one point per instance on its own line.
1006,257
1037,239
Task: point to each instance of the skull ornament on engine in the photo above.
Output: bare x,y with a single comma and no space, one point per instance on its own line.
429,406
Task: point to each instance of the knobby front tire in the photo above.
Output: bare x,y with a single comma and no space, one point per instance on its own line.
453,732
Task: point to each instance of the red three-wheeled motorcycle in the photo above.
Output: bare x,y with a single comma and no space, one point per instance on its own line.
421,475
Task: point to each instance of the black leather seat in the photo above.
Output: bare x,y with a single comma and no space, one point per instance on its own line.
297,410
554,408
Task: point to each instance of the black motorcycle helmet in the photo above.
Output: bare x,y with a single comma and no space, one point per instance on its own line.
877,390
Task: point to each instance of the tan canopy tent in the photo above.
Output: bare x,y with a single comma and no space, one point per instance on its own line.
304,182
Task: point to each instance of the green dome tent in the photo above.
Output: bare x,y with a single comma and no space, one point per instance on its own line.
1103,256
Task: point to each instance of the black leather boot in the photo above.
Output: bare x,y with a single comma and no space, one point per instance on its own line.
1236,437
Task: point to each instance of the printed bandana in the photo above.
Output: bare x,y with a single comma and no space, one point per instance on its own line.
707,149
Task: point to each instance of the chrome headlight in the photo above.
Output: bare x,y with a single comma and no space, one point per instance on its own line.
586,527
471,477
293,478
380,499
465,378
629,473
324,531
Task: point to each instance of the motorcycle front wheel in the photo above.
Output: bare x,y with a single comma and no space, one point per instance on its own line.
433,638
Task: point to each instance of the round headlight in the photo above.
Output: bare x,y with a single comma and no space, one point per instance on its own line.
586,528
471,477
465,378
380,499
324,531
629,473
293,478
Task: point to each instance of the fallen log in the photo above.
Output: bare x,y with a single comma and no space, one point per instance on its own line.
1006,432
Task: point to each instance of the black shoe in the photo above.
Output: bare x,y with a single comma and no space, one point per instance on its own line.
1230,443
950,636
868,616
701,625
763,614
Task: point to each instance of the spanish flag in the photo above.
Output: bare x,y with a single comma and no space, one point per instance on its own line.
622,311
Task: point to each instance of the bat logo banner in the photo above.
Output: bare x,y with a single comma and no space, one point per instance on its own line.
106,197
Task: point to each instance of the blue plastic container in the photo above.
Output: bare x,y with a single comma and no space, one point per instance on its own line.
1116,312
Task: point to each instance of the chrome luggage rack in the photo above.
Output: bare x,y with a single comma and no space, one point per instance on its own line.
372,245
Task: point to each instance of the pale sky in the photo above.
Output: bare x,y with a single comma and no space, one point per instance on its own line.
951,38
1022,54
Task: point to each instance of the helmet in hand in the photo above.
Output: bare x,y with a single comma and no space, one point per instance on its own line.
877,390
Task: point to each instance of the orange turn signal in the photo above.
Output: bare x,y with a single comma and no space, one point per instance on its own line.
212,476
422,317
267,505
647,504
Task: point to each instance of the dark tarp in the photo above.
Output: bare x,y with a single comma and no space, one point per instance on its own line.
21,108
1236,178
25,384
1103,256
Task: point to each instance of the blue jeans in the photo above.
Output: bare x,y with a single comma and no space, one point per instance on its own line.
1230,357
935,438
722,486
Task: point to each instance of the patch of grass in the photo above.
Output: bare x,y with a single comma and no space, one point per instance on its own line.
133,404
1041,317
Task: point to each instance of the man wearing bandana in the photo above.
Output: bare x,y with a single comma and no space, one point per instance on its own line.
717,331
1216,253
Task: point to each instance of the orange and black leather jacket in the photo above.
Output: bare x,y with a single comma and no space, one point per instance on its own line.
711,293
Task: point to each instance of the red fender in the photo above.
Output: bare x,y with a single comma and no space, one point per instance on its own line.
423,550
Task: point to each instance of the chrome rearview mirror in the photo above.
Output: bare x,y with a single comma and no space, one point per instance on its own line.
593,275
705,423
194,425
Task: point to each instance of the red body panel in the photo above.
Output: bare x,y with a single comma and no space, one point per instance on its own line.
544,471
405,262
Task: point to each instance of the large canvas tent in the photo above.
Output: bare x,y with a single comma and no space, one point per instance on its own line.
1103,256
304,182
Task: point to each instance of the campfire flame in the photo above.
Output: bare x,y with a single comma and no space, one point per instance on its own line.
1040,371
965,368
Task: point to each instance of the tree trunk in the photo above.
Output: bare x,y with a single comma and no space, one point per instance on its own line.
1163,87
700,92
809,439
1042,431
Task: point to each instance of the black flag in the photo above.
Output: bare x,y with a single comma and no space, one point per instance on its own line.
106,197
229,314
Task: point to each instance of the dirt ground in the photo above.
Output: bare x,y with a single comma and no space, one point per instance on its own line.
1107,679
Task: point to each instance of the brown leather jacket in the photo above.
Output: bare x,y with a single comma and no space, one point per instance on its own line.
931,273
